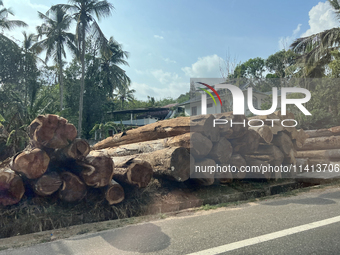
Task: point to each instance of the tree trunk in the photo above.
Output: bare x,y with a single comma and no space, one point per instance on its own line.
239,162
154,131
221,151
247,143
172,162
284,142
31,163
73,189
204,124
272,120
47,184
78,149
51,131
325,154
134,171
265,133
114,193
235,127
321,143
11,187
204,177
268,153
256,169
97,171
323,132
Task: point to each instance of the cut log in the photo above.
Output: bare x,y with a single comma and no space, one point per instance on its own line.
202,174
290,158
301,163
239,162
47,184
31,163
198,145
51,131
321,143
324,154
272,120
221,151
154,131
73,189
133,171
235,126
301,138
204,124
114,193
255,169
284,142
323,132
268,153
265,133
172,162
246,144
97,171
11,187
78,149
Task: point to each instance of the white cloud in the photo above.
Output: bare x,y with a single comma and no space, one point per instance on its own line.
164,77
208,66
321,17
285,42
169,60
158,37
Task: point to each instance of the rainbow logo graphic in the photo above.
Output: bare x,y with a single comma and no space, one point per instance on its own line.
208,92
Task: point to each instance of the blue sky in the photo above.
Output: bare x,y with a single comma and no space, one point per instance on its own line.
172,41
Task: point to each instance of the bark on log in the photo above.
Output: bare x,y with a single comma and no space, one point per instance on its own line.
134,171
321,143
204,124
198,145
301,163
256,167
284,142
11,187
239,162
73,189
301,138
221,151
268,153
323,132
47,184
203,176
246,144
272,121
172,162
265,133
325,154
154,131
97,171
78,149
235,127
51,131
114,193
31,163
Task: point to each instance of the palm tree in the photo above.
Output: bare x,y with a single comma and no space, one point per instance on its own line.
315,50
5,23
114,77
83,13
56,24
125,94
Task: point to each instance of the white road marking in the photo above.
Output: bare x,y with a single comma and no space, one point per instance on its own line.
267,237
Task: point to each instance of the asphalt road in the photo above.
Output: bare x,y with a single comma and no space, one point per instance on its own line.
305,224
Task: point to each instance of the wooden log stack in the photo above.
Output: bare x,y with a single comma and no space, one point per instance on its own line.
175,149
57,162
322,147
172,146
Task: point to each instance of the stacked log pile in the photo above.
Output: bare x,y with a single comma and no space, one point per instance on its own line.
172,146
57,161
321,147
